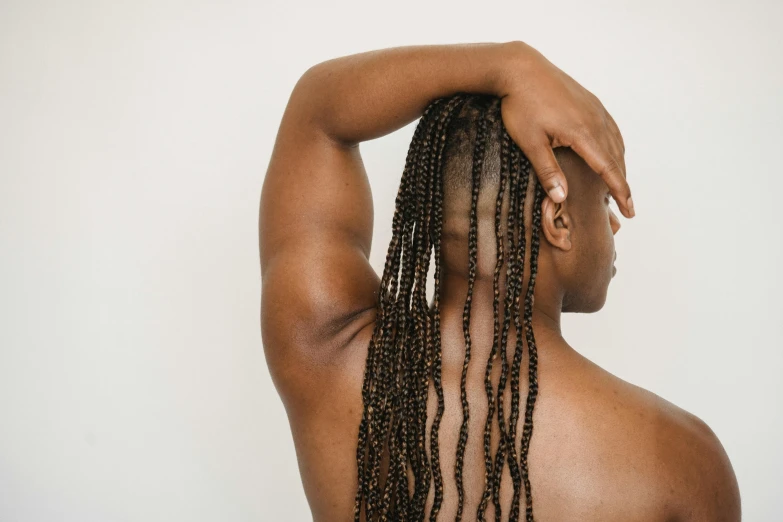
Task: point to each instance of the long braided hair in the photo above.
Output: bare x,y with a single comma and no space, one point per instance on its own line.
405,351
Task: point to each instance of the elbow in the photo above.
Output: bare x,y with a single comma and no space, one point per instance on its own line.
309,108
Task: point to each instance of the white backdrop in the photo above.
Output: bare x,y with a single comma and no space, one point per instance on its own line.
134,138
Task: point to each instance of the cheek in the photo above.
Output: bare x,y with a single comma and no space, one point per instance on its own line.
602,247
594,252
609,241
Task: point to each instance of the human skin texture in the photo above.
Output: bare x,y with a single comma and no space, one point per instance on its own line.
604,449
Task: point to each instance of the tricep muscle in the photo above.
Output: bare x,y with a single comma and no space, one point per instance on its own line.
315,233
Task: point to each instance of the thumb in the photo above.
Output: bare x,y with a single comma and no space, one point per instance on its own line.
548,171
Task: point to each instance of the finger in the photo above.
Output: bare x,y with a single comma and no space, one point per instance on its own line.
548,171
598,155
615,130
612,125
617,150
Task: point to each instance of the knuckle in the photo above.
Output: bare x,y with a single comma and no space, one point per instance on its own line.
598,106
583,131
612,168
547,173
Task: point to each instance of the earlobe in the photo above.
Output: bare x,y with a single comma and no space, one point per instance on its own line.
556,224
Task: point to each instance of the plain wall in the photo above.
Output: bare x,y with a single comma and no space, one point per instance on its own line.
134,138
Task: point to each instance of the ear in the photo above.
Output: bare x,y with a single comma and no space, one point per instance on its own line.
556,223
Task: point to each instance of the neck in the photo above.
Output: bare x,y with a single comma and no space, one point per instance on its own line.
547,305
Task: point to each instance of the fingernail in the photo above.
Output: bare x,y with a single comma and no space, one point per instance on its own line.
557,194
629,204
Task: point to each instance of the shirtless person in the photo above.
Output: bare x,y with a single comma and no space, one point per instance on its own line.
604,449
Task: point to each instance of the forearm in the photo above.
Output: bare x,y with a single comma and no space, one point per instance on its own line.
368,95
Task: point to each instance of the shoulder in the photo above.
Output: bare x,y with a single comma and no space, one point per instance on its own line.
708,484
702,485
684,460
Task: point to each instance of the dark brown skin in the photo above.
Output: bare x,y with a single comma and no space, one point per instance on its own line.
602,449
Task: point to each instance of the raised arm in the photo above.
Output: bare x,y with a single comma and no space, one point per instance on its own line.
316,214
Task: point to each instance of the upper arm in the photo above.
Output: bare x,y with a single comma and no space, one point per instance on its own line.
315,234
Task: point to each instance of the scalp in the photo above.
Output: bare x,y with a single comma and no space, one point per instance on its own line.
458,158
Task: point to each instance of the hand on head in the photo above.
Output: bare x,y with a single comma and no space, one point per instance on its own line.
544,108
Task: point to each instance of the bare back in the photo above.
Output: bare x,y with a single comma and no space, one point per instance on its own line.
602,449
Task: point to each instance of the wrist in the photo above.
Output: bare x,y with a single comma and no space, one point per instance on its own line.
515,67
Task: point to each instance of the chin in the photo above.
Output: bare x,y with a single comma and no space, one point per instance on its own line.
585,304
591,308
597,307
